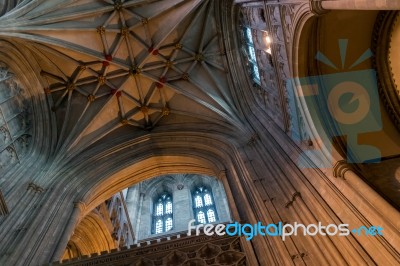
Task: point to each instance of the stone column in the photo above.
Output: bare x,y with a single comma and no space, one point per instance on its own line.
15,225
363,197
359,4
343,170
182,208
221,204
68,231
132,200
138,232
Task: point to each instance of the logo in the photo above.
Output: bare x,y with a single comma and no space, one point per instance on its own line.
344,104
281,229
358,94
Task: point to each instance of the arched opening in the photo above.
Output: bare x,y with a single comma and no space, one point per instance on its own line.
210,161
156,208
340,48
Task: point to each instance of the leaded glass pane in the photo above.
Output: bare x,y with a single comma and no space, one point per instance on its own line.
201,218
163,211
211,216
207,200
168,207
159,209
249,35
168,224
252,53
256,72
159,226
198,202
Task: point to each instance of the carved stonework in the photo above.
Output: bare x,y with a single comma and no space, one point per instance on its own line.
316,7
181,250
340,169
15,119
35,188
386,40
3,206
5,137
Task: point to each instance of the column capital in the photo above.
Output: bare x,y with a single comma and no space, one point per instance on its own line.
222,173
35,188
316,7
32,186
80,205
340,168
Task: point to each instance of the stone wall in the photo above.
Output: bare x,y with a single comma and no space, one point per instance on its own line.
140,201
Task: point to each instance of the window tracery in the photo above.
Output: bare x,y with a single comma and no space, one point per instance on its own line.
163,214
251,54
204,207
15,119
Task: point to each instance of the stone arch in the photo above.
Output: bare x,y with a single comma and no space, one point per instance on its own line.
153,188
6,6
386,31
40,141
208,155
205,180
300,55
369,30
91,235
217,191
314,35
142,199
122,172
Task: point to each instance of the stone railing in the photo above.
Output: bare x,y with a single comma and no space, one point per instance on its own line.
180,249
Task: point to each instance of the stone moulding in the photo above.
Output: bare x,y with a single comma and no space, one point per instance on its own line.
3,206
154,252
382,42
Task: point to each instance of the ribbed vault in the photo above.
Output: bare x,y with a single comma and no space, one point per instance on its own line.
91,235
108,64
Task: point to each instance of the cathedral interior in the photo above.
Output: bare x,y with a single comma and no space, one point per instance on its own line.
121,121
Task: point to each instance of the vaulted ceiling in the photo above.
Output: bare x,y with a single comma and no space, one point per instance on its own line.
142,63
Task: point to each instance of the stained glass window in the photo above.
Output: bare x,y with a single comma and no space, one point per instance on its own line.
162,218
249,36
168,207
159,209
198,202
211,215
201,218
251,55
159,226
256,72
168,224
204,208
207,199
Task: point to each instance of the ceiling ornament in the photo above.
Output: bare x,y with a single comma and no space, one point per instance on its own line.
109,64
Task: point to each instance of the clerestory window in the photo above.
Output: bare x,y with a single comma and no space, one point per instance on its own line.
163,214
203,206
251,54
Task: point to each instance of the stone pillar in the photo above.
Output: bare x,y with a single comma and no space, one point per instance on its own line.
221,204
343,170
138,232
360,4
363,197
132,204
68,231
15,225
182,204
